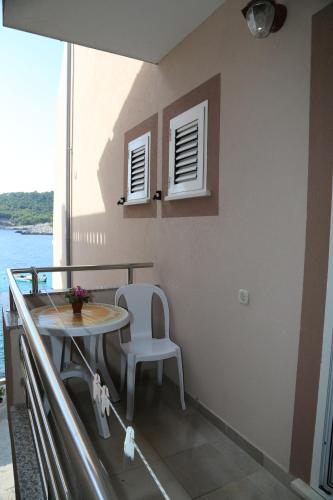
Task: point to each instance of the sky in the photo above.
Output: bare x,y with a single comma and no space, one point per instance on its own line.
30,68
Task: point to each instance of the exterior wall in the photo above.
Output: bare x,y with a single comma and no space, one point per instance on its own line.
240,361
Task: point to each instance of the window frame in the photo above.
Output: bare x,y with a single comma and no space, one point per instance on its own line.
143,196
198,187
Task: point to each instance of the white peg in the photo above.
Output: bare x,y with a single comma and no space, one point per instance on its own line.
129,443
97,388
105,404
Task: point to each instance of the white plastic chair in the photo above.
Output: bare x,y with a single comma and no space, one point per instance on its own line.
142,346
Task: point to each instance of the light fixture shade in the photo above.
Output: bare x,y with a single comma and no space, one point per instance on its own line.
260,17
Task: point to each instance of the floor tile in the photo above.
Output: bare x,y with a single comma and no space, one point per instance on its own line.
236,456
154,401
153,414
267,483
209,431
240,490
137,484
172,435
111,452
203,469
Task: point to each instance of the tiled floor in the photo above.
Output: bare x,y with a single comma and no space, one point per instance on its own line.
189,455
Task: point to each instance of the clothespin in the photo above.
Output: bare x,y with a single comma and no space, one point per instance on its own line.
105,406
129,443
97,388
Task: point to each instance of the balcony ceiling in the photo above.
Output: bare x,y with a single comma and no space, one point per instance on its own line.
143,29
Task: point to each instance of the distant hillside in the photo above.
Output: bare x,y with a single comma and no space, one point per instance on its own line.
26,208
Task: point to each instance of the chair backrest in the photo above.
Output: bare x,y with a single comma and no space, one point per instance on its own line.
139,298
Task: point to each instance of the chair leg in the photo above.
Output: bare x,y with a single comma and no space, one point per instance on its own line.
131,365
181,378
123,363
67,351
160,372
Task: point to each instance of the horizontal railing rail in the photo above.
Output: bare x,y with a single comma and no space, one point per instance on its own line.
129,267
89,471
88,267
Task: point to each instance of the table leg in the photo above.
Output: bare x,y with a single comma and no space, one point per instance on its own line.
90,352
67,351
101,363
78,371
57,344
94,350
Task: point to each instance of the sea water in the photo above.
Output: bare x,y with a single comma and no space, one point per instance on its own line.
22,250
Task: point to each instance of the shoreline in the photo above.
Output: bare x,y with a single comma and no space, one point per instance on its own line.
35,229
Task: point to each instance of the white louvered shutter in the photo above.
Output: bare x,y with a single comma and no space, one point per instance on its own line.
138,169
188,153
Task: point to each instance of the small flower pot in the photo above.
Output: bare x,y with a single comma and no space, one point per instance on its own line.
77,308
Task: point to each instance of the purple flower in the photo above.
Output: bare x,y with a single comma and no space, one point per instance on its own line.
77,294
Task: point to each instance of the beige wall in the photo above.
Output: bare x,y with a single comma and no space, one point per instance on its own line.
240,361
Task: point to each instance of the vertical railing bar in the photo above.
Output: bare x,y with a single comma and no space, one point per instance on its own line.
130,275
46,456
34,390
39,456
12,305
34,280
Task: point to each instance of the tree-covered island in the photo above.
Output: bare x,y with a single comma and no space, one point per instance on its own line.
26,209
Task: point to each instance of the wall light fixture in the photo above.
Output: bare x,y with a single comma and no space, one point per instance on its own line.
264,17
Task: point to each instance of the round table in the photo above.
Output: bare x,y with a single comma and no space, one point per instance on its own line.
59,324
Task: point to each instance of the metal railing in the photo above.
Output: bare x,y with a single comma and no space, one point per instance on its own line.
89,471
34,271
49,464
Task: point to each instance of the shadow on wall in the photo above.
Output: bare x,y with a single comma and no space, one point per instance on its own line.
93,233
136,108
153,88
107,233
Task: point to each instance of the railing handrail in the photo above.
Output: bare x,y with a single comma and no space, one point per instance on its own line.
88,267
91,473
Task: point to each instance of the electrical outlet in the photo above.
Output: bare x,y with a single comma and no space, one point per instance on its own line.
243,296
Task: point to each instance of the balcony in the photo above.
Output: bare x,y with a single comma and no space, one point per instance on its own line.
252,218
179,454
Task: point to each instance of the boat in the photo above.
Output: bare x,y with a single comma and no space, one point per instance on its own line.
42,278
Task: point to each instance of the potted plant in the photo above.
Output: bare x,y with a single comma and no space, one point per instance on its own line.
77,296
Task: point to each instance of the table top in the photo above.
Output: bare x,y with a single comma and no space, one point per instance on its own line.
95,319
